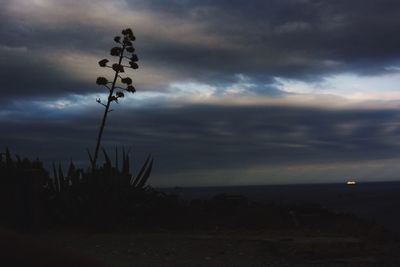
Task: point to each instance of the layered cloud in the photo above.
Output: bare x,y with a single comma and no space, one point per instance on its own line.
215,144
208,42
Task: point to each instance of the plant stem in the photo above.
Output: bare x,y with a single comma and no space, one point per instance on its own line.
103,122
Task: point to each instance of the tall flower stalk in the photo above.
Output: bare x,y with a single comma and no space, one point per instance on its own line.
125,53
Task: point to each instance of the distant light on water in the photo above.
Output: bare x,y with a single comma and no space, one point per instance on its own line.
351,182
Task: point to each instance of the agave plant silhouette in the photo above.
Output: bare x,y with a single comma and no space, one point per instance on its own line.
125,52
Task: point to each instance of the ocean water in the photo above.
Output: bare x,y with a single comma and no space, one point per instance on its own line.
377,202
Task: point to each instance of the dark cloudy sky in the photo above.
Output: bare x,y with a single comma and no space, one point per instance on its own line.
229,92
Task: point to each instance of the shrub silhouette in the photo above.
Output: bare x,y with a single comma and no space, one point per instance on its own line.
101,196
109,197
21,191
105,196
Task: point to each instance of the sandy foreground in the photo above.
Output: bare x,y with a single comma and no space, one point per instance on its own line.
225,248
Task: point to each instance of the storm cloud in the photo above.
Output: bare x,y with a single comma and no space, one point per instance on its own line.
228,92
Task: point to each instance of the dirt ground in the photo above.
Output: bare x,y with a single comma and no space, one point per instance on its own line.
225,248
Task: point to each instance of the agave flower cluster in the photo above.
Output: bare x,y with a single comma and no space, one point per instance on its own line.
120,84
125,52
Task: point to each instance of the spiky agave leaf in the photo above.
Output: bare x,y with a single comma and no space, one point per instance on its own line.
56,178
90,156
146,175
71,169
116,157
106,157
9,162
19,160
62,178
135,181
125,162
73,175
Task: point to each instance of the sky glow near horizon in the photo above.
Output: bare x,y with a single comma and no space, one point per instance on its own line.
228,92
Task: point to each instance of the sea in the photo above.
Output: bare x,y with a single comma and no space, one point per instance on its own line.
377,202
